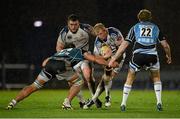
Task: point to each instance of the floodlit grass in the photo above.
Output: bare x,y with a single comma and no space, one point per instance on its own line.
47,103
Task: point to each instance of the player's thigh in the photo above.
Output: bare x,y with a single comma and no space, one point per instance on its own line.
86,69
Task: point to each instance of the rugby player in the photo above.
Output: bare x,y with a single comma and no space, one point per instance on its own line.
78,34
145,35
106,44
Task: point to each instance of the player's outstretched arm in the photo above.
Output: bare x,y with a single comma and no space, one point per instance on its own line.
119,52
94,58
98,59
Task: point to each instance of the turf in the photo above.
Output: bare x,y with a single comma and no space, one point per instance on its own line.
47,103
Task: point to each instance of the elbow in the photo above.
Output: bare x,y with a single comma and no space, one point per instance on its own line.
166,46
58,48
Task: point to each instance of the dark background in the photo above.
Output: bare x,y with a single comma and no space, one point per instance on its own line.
21,42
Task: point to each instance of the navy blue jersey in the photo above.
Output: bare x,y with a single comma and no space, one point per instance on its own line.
146,36
70,55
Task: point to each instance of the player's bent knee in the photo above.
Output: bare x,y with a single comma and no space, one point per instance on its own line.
79,83
37,84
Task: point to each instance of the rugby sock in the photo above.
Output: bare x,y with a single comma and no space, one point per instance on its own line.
12,103
80,97
126,91
108,85
98,91
158,90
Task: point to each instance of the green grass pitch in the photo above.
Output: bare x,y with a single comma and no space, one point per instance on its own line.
47,103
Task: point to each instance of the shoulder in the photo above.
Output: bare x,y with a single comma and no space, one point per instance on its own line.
85,27
113,30
136,25
63,33
64,30
155,25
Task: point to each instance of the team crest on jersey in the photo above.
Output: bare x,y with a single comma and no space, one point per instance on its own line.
113,36
69,37
99,44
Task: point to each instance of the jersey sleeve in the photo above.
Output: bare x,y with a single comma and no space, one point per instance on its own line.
62,35
131,35
116,35
86,27
117,32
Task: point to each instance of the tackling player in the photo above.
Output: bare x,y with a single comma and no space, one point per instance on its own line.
60,65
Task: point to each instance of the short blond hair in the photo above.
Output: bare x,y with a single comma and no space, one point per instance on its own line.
98,26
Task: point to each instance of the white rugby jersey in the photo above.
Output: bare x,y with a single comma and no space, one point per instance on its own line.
80,39
113,36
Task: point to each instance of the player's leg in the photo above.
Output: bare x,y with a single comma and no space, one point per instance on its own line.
87,73
154,66
81,99
127,88
108,85
107,79
70,75
79,95
98,92
134,66
26,91
48,72
86,70
155,75
73,91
